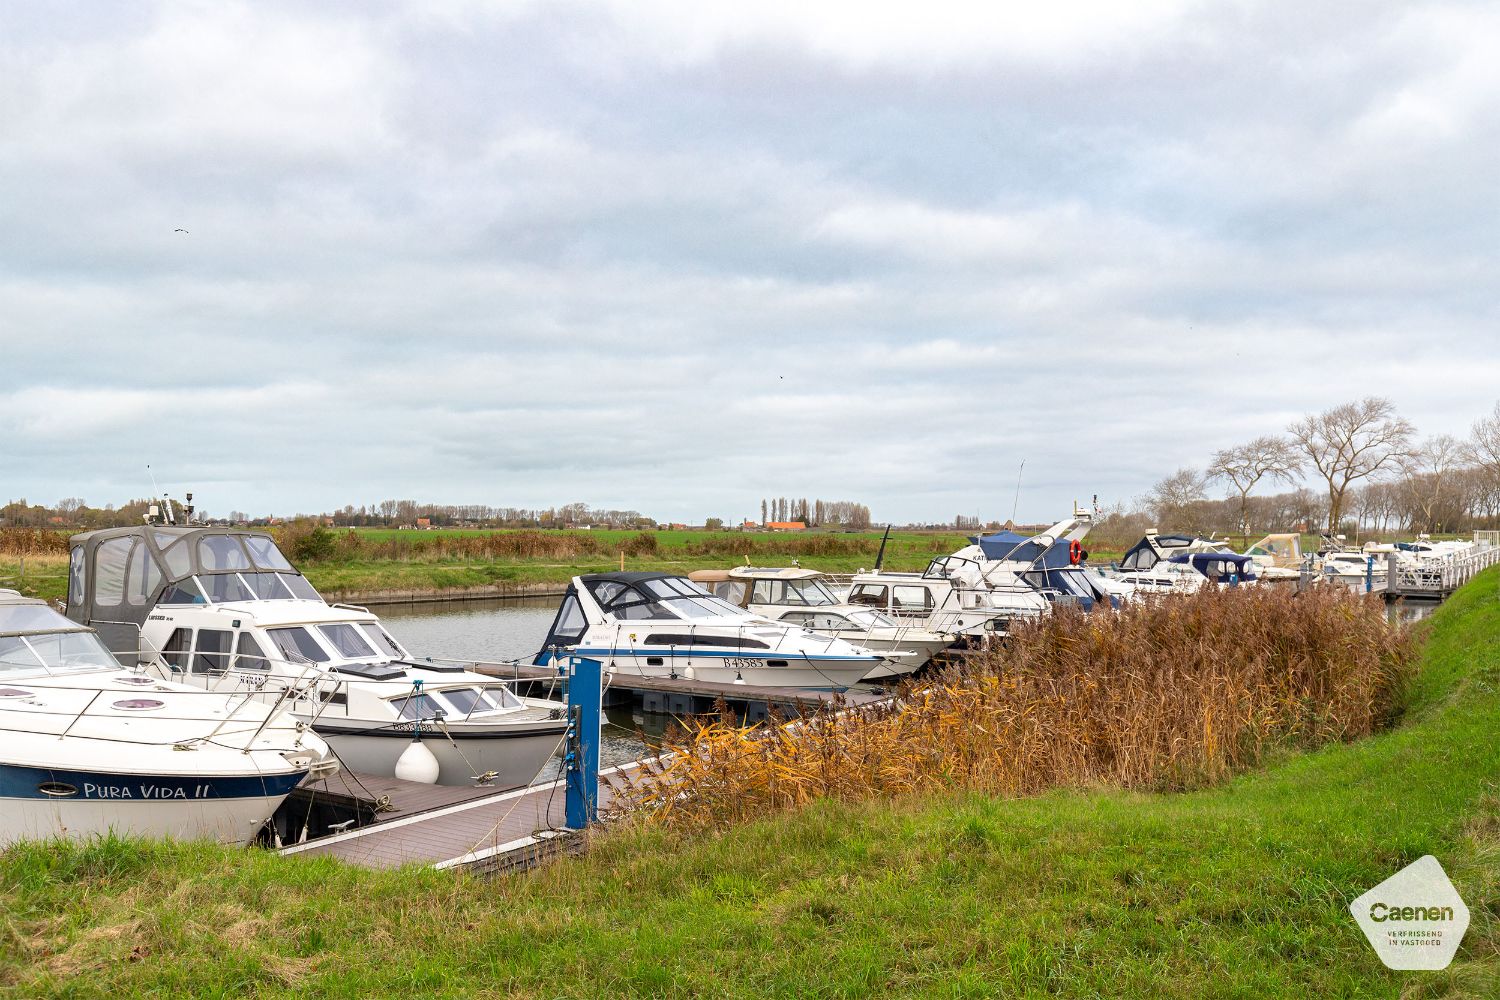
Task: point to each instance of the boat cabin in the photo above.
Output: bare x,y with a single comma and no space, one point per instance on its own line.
118,576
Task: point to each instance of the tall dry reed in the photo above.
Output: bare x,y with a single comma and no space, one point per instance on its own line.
32,542
1167,694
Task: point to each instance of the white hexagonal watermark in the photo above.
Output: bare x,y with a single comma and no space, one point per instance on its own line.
1414,919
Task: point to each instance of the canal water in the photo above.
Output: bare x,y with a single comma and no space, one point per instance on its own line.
510,629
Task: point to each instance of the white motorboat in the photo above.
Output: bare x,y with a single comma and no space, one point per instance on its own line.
1165,564
224,610
658,625
1278,557
801,597
88,747
1053,562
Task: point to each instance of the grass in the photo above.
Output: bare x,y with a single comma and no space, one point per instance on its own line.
1235,891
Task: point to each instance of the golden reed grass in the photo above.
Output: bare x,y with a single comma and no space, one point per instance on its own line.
1169,693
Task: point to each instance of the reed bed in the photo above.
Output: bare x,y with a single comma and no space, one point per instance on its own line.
32,542
1171,693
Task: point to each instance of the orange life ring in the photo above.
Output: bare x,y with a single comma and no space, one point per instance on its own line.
1075,552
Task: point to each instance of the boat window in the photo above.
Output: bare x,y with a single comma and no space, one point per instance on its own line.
211,652
463,700
732,591
606,591
870,619
346,640
248,655
265,553
690,639
57,652
31,618
826,620
179,561
299,587
145,578
224,587
764,592
662,588
297,645
797,617
110,560
381,640
222,552
174,652
913,598
872,594
503,697
185,592
16,656
415,706
266,586
77,576
570,624
641,611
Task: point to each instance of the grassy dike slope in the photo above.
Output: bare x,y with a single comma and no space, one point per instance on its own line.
1240,891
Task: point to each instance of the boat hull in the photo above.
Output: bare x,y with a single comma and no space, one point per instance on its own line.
811,674
40,803
516,755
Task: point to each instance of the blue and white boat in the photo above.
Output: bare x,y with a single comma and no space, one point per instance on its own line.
1167,564
1055,565
88,747
658,625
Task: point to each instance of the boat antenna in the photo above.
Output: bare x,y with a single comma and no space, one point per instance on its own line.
1015,506
880,556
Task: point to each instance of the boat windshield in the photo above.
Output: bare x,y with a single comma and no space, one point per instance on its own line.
665,597
797,593
37,641
869,619
221,588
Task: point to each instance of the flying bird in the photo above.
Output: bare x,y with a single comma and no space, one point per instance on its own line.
181,231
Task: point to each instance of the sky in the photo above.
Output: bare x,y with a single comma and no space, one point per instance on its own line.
674,257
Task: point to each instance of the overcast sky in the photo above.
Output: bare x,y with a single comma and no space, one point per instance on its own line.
675,257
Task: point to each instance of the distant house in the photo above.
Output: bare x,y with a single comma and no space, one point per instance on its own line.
750,526
787,526
424,523
678,527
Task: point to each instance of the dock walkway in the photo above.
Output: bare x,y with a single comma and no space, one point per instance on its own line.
445,827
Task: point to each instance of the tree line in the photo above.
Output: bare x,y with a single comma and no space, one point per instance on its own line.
1356,466
815,513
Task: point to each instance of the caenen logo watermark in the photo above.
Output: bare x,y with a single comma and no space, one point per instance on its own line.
1414,919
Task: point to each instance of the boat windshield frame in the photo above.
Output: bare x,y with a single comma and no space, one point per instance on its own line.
234,588
87,641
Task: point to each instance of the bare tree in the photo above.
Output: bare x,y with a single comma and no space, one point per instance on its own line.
1429,479
1483,448
1178,500
1243,466
1351,442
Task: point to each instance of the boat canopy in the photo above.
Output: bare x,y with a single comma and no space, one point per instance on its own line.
116,576
37,641
1218,565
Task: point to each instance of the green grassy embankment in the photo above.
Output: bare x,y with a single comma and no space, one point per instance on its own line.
1237,891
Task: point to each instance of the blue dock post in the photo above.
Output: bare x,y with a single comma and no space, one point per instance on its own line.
585,693
1369,573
